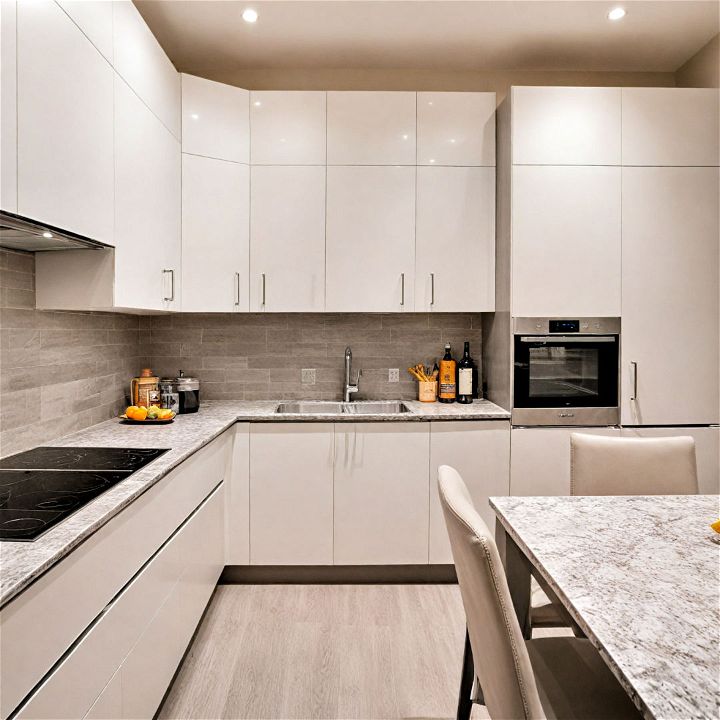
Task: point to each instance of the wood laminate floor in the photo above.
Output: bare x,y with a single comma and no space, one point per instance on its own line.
324,651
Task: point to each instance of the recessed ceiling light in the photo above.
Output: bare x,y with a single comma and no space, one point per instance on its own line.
249,15
617,13
47,234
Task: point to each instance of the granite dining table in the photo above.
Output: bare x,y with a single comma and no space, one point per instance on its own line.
639,576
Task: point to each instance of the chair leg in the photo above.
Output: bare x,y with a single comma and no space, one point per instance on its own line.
464,707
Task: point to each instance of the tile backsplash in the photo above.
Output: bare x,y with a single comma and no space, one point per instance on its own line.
262,356
59,371
63,371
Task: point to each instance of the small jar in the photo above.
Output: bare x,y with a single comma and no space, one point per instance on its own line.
169,397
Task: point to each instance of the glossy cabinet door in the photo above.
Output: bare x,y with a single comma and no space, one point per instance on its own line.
370,239
215,120
147,207
381,493
480,452
566,241
288,128
143,64
540,458
215,234
707,451
371,128
64,124
291,494
456,128
455,239
287,239
95,19
670,126
566,126
670,296
8,107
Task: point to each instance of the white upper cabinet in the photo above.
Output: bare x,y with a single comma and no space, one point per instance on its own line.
566,126
64,124
147,207
670,296
142,63
371,128
381,493
456,128
669,126
370,249
455,239
288,128
566,241
8,105
95,19
215,199
287,239
215,120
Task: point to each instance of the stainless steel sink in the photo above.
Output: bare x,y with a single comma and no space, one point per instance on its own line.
375,407
359,407
310,408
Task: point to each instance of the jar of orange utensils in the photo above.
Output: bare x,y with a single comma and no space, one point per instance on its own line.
427,383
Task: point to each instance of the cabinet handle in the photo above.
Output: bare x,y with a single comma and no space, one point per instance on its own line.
633,365
237,289
262,301
432,288
172,285
402,288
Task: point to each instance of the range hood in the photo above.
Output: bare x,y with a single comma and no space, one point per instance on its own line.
20,233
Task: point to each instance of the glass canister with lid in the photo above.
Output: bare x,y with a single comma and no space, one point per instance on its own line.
188,390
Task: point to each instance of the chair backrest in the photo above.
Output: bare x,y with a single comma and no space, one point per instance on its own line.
601,465
502,664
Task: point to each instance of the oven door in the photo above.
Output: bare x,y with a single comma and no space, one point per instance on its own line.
572,377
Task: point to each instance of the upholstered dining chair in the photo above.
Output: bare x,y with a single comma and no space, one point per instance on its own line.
559,677
605,465
601,465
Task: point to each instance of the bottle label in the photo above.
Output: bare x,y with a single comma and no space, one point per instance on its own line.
447,379
465,381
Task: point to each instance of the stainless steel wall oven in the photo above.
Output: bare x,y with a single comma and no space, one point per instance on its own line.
566,371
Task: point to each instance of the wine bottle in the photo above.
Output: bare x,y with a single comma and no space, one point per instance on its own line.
465,377
448,387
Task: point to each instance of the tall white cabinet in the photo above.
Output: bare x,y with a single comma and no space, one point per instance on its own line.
215,196
670,257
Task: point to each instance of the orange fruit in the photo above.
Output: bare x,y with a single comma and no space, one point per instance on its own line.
136,413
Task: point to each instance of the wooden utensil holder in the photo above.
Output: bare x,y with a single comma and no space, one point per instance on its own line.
427,391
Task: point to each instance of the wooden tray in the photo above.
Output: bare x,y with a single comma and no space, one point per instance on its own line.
130,421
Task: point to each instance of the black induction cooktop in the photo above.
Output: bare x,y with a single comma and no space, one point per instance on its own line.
43,486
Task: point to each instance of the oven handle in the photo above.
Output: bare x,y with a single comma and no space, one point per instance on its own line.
568,338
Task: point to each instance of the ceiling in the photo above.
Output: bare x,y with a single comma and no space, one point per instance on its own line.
209,37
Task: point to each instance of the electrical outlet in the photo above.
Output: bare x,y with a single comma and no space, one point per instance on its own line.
394,375
308,376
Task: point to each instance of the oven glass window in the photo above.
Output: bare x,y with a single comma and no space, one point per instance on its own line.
564,372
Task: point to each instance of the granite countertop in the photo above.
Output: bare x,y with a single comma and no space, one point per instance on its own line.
23,562
640,576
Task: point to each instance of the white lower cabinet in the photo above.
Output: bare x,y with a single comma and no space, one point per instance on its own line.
144,631
381,493
540,459
291,494
237,499
480,452
707,451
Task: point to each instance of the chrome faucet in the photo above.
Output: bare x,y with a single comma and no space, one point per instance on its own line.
349,387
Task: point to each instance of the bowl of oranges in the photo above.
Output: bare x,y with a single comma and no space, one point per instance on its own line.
141,415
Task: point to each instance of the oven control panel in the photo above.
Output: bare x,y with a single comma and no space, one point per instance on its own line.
566,326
